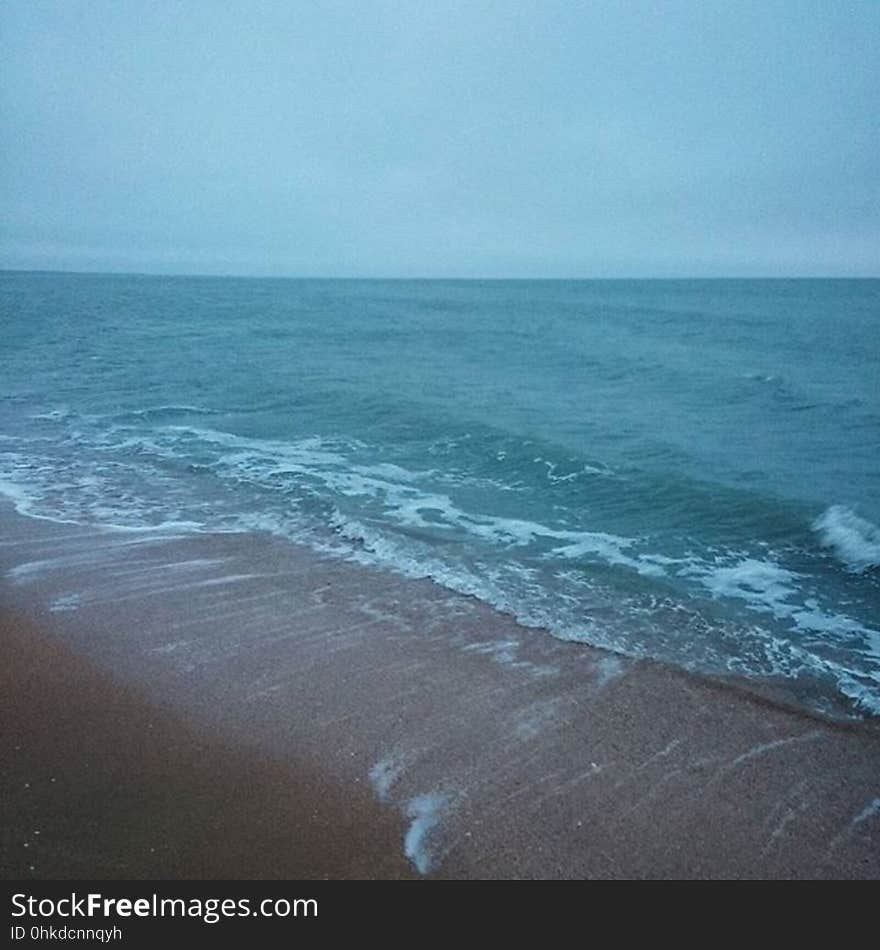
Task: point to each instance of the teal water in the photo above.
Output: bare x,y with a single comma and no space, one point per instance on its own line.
681,469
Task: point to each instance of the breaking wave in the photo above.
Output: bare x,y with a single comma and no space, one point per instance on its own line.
854,540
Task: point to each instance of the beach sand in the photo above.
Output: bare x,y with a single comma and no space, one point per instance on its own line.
99,782
238,706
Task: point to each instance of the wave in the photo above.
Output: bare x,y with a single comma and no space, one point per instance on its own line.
635,592
405,498
854,540
580,608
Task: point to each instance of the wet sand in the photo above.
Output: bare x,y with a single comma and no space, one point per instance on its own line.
100,783
200,695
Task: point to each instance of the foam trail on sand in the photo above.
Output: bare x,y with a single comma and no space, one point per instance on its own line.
608,669
425,812
869,811
383,775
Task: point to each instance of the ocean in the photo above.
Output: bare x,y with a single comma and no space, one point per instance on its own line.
682,470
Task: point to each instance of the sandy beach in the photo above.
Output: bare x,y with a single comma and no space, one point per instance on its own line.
99,782
237,706
439,441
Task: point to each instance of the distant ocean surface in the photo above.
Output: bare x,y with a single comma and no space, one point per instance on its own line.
686,470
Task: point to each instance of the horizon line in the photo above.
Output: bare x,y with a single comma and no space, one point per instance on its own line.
315,277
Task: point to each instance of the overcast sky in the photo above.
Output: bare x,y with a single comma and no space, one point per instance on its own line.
434,138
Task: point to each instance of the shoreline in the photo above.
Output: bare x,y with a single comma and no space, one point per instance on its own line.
484,748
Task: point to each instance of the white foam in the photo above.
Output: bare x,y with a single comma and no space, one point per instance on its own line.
812,617
87,491
66,602
160,527
767,587
383,776
869,811
609,548
569,476
404,498
534,719
855,540
25,504
609,668
425,813
763,585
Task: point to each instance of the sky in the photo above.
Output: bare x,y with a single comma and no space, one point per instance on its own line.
429,138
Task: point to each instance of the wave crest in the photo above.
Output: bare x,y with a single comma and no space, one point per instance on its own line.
855,540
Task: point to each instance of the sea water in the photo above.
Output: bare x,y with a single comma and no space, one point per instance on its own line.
685,470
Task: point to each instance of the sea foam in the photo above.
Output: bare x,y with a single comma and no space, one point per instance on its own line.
854,540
